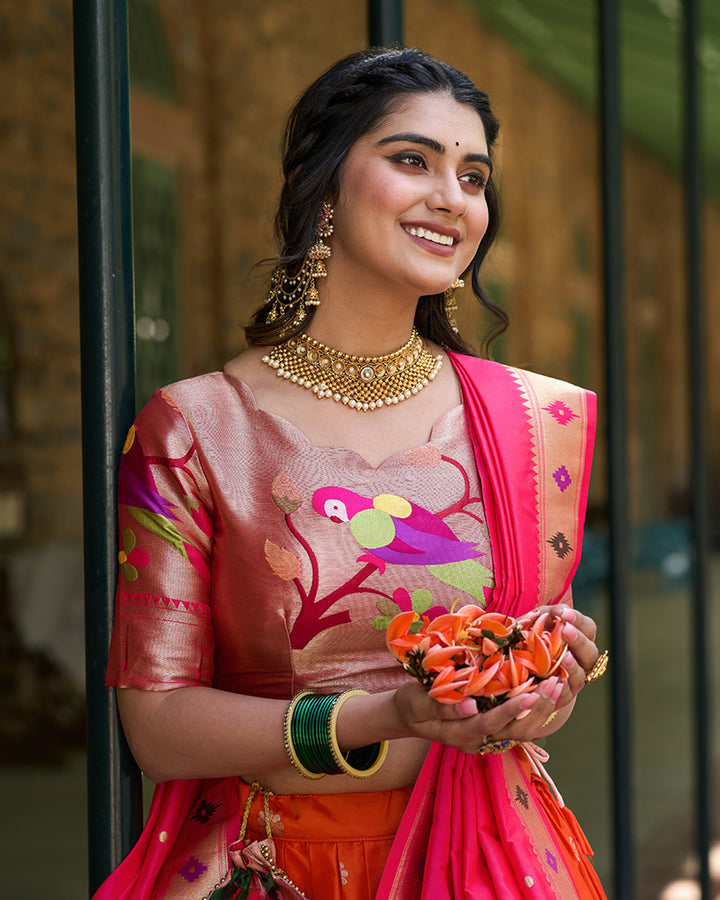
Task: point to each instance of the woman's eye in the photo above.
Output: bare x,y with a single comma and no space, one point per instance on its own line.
409,159
476,179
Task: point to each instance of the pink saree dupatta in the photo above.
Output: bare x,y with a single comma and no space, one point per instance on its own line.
474,827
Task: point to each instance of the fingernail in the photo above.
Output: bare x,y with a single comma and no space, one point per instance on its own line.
570,632
466,707
568,660
528,700
525,712
549,687
558,690
568,614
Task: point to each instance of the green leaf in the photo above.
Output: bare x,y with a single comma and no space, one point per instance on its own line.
128,537
161,526
387,607
381,623
421,600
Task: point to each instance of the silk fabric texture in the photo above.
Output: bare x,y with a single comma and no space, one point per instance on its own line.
533,443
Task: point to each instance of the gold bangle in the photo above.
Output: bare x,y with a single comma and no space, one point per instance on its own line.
598,670
368,759
289,746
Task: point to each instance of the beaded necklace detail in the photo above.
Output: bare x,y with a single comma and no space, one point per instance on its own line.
363,383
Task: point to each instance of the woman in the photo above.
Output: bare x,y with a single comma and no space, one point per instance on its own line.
269,538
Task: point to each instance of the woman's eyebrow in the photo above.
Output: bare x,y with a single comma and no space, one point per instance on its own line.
411,138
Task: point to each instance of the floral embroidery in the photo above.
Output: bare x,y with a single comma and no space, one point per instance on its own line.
420,601
562,478
192,869
130,557
551,860
561,412
276,823
343,872
560,544
137,490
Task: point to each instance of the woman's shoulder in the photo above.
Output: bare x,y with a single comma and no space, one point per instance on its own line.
196,404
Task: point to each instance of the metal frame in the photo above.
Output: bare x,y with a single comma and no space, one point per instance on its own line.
616,438
699,454
108,399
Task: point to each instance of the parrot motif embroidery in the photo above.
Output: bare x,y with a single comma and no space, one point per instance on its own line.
391,529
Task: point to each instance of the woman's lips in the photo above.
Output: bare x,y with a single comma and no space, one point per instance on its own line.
433,237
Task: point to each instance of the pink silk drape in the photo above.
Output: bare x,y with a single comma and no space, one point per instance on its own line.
475,826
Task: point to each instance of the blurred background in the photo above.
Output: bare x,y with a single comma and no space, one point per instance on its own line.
211,82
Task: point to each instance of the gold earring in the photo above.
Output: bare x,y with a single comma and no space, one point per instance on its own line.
451,305
300,290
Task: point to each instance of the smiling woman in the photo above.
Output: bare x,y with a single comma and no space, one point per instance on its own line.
273,547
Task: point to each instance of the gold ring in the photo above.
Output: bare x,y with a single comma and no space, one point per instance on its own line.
598,670
549,718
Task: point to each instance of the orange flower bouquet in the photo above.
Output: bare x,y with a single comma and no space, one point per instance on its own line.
471,653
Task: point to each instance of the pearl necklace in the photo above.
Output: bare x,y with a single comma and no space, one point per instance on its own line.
363,383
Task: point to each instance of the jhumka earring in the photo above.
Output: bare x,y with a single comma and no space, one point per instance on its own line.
451,303
300,291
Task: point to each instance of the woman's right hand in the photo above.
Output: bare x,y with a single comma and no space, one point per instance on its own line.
463,727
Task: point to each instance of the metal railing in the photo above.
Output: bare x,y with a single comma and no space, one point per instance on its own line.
105,239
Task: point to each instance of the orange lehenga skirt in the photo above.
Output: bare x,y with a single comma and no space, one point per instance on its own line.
333,846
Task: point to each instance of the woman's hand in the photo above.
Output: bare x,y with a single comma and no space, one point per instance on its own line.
522,718
579,631
461,726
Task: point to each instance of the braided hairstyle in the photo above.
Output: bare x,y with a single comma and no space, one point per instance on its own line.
342,105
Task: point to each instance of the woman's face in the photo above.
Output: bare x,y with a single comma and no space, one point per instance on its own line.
411,208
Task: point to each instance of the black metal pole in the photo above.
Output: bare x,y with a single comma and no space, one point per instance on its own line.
699,486
107,353
385,22
618,520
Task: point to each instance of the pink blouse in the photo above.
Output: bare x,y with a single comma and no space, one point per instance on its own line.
257,562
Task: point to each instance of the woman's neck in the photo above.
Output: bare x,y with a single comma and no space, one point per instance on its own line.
361,327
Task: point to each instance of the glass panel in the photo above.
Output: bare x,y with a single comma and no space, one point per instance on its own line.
151,66
155,205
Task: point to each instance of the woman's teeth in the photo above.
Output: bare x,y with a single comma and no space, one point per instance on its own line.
431,236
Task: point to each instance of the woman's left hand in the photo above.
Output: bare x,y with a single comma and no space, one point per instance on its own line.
579,631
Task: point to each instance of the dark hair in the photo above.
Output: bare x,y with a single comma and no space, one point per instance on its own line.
342,105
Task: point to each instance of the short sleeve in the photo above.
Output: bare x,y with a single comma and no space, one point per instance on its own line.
162,634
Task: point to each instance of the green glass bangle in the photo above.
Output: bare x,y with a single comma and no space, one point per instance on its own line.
288,735
311,738
309,732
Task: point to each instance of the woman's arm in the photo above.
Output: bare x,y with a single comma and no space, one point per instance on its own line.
202,732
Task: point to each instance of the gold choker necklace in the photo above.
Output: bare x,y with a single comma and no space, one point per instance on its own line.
360,382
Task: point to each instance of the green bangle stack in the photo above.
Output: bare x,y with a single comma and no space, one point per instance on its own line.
310,730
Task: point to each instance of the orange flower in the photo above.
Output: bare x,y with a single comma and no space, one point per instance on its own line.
438,658
468,653
400,640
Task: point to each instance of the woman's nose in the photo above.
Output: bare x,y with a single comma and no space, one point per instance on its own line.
448,196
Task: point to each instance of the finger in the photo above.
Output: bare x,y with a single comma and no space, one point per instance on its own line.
582,647
528,727
575,680
583,623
